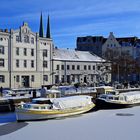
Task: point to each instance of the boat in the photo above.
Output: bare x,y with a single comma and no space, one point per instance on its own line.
48,108
6,105
121,100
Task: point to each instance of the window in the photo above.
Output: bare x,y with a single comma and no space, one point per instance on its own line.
99,67
2,79
1,49
45,64
1,39
1,62
85,67
32,78
17,78
62,67
32,40
17,63
17,38
73,67
78,67
25,63
45,77
107,67
36,107
17,51
32,52
25,51
68,67
26,39
116,98
43,107
89,67
45,53
111,98
93,67
57,67
32,63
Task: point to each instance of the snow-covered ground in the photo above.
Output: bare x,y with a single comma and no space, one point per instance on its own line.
99,125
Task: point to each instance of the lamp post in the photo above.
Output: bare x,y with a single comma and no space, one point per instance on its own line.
14,81
118,71
43,68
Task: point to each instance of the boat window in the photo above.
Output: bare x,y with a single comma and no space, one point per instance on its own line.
43,107
111,98
103,97
43,102
116,98
121,98
36,107
26,106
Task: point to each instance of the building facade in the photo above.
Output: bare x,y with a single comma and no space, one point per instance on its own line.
124,54
29,59
70,66
25,58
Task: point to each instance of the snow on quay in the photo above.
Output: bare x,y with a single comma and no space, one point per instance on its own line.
117,124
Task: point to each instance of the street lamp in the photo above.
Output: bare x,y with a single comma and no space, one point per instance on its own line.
14,81
118,71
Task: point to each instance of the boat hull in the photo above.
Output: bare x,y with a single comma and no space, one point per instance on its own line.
102,104
7,107
26,115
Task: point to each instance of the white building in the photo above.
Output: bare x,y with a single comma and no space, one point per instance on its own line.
27,59
70,66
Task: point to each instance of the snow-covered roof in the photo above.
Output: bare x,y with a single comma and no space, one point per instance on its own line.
73,55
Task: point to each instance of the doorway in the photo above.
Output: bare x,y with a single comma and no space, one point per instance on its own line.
25,81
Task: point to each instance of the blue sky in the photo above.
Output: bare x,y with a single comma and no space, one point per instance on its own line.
72,18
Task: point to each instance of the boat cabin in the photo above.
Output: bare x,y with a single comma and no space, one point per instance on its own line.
113,97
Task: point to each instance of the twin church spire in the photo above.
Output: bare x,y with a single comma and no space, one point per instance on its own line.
41,30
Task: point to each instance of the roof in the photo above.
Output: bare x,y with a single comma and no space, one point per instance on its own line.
130,40
95,39
73,55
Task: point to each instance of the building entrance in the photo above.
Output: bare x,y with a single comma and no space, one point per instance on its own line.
25,81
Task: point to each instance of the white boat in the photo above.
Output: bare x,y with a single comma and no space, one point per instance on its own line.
121,100
46,108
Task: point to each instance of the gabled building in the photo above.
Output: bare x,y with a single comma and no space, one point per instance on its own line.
25,57
123,53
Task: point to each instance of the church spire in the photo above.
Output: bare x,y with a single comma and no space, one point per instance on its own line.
41,27
48,34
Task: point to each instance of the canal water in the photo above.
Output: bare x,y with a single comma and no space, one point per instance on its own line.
115,124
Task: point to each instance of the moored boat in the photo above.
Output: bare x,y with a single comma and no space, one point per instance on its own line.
6,105
46,108
122,100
